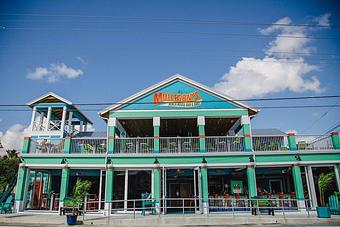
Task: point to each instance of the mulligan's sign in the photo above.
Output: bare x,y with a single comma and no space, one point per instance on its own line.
177,100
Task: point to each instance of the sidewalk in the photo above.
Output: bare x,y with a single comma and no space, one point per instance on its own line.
32,219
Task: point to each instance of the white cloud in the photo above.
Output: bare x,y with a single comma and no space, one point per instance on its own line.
279,70
323,20
13,137
54,73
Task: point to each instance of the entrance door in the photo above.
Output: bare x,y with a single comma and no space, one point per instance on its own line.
275,186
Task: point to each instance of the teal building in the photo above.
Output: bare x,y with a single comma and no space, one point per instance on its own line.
187,146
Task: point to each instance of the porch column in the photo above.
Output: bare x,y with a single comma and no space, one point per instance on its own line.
65,174
204,180
245,122
26,145
111,131
311,183
63,119
20,188
34,112
157,186
251,176
67,145
337,175
70,116
109,181
47,123
292,141
298,186
156,127
81,126
335,140
201,132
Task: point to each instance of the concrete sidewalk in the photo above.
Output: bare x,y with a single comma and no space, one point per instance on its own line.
293,219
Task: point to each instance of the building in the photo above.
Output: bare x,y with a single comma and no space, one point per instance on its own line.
190,147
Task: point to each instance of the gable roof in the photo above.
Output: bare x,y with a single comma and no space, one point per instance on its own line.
52,97
177,77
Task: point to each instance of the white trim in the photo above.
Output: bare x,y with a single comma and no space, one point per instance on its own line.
156,121
126,189
200,120
179,110
49,94
167,81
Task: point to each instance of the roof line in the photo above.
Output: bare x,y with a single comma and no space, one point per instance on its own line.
166,81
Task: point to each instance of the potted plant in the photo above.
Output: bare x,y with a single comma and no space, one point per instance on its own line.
80,190
324,182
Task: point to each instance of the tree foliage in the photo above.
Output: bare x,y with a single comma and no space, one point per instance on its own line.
8,168
325,181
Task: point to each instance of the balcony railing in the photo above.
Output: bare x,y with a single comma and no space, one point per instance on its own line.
179,144
144,145
224,143
88,145
270,143
48,146
134,145
314,142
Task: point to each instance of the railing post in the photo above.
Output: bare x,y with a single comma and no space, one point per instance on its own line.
335,140
111,131
292,141
201,133
26,145
156,127
67,145
245,122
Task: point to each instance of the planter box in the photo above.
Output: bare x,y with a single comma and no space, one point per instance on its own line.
323,212
71,219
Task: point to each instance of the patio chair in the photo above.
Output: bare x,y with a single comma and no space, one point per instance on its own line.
148,203
6,207
334,204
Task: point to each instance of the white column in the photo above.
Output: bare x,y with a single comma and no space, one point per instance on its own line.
126,189
70,121
63,118
100,189
85,127
311,186
41,121
47,123
337,177
34,112
81,126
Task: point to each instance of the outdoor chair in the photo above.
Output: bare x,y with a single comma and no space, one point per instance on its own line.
6,207
148,203
334,204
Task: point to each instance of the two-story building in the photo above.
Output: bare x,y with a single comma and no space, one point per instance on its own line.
191,148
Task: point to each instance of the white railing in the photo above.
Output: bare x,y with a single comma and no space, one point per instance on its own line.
314,142
55,125
179,144
134,145
88,145
50,146
38,126
224,143
270,143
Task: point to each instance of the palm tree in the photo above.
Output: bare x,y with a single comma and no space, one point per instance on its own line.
324,182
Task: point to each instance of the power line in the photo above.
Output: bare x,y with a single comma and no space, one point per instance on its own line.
203,101
259,107
171,20
165,32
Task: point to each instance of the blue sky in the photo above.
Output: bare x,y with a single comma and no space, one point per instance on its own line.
91,51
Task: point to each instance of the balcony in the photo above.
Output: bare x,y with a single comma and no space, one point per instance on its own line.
179,145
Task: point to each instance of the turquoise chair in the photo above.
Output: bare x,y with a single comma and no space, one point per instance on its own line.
334,204
6,207
148,203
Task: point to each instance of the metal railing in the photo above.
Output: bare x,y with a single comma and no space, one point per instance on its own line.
88,145
270,143
38,126
134,145
183,206
54,125
50,146
224,143
179,144
314,142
